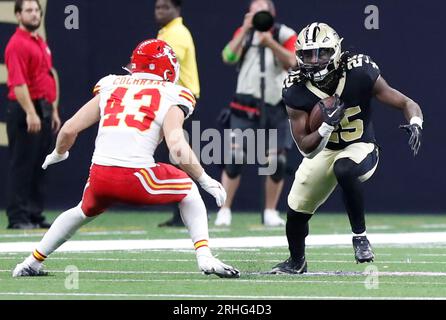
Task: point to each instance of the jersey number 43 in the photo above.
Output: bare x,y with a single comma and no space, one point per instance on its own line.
115,109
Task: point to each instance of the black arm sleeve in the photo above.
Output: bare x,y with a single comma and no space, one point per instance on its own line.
184,109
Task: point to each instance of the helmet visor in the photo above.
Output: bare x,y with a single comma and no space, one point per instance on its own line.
315,57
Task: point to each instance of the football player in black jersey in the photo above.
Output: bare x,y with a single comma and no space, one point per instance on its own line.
343,150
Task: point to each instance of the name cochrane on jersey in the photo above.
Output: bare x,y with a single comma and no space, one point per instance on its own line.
224,309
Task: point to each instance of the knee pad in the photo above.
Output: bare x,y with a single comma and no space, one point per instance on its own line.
281,162
234,169
345,169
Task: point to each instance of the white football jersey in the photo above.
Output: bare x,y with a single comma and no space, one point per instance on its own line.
133,108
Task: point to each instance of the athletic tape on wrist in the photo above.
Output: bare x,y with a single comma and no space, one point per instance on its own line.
417,120
325,130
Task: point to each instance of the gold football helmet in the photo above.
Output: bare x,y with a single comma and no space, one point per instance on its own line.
318,51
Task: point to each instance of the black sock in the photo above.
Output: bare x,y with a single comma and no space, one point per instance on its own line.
354,204
296,232
352,193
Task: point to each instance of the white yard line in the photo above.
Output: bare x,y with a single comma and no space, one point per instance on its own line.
306,275
431,254
316,254
380,227
124,259
263,228
121,272
86,233
204,296
211,230
239,242
406,262
433,226
293,279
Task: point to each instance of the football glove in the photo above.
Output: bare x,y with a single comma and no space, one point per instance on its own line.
333,115
415,132
213,187
53,158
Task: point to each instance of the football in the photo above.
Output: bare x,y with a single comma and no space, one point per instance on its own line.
315,119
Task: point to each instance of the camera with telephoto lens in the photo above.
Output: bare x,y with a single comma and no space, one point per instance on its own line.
263,21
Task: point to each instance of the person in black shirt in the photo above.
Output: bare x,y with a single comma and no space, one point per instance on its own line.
343,150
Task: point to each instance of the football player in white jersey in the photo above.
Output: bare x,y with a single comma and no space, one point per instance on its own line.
135,112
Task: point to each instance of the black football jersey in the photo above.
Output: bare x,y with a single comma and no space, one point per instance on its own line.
355,90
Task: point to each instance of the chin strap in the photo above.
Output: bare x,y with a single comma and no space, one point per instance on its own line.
330,81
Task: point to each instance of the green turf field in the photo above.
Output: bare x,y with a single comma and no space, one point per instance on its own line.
415,271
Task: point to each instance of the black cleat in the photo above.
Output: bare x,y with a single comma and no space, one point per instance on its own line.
289,266
363,250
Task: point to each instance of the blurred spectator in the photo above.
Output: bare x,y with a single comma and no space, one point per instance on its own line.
263,58
176,34
31,116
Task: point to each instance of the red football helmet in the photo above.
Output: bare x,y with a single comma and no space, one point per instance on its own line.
156,57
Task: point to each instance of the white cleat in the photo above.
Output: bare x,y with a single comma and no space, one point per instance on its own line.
24,270
211,265
224,217
271,218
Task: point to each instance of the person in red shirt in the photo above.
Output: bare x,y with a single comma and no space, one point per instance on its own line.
31,116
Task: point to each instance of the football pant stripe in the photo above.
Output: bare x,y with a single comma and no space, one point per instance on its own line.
156,192
155,185
371,160
166,181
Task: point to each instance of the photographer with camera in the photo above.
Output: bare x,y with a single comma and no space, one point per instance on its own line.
263,50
